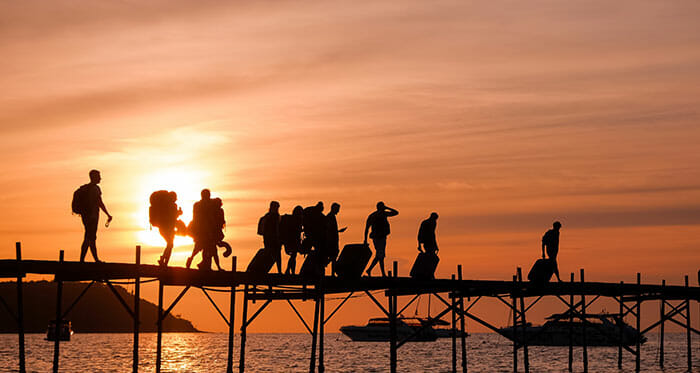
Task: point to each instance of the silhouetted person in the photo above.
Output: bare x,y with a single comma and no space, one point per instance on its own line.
332,246
380,230
426,234
270,230
163,214
205,230
550,243
290,235
315,229
87,201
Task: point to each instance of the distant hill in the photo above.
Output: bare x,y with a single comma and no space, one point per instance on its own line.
98,311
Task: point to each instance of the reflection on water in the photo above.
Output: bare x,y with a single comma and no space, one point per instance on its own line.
207,352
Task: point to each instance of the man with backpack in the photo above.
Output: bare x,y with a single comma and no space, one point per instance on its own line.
380,230
163,214
205,229
269,228
290,235
87,202
550,243
426,235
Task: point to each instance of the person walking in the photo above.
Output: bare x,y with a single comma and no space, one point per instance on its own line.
87,201
427,236
290,235
333,237
269,228
379,225
550,244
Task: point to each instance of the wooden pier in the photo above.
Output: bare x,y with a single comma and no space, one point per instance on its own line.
517,295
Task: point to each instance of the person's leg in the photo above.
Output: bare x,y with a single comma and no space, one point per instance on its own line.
197,248
292,264
215,255
552,253
380,246
84,246
168,235
92,238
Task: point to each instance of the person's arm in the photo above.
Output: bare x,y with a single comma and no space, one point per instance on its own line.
367,227
104,208
390,212
543,240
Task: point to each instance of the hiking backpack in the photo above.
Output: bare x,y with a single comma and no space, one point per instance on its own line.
79,205
160,211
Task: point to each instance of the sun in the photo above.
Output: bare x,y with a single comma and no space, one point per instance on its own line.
187,183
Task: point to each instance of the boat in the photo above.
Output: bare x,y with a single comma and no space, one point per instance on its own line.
600,330
65,331
377,330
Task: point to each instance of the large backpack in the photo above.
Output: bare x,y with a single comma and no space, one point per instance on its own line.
162,207
79,205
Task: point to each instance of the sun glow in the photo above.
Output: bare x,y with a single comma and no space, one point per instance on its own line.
187,183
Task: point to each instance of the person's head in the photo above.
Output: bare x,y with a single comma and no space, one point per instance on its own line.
95,176
274,206
218,202
556,225
380,206
335,208
319,206
434,216
172,196
206,194
298,211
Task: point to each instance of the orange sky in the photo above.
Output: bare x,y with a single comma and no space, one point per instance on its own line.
501,117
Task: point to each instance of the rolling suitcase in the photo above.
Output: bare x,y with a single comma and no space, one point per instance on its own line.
311,267
541,271
261,263
424,266
353,260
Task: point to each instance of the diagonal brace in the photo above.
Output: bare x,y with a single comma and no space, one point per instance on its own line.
179,296
70,308
216,307
120,299
300,317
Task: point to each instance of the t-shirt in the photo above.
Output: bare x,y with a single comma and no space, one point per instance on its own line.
426,232
270,226
551,239
379,223
93,197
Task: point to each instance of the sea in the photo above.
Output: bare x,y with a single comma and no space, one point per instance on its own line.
207,352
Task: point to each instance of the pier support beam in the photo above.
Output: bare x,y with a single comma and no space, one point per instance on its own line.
688,329
159,326
662,317
392,325
314,336
461,323
57,330
622,330
137,310
321,318
571,327
244,326
638,355
583,325
515,327
231,314
526,358
20,308
454,330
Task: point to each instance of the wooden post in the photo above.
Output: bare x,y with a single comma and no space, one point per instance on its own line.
454,331
637,358
57,329
583,323
137,310
321,321
461,323
571,325
231,314
159,326
392,325
20,308
688,328
314,336
526,358
662,314
515,329
244,326
622,330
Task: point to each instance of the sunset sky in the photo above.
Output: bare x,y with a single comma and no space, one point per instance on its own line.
501,116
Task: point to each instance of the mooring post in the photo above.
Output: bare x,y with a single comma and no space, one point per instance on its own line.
244,326
583,322
662,314
526,358
621,326
231,314
392,323
159,326
638,357
314,335
515,329
462,336
454,330
688,328
20,308
571,325
137,309
57,326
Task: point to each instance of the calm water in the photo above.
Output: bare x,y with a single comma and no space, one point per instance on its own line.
195,352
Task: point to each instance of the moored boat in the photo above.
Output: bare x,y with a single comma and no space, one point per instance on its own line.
378,330
64,333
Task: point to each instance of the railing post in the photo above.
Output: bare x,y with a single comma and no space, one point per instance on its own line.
583,322
231,314
526,358
20,308
159,327
662,314
244,327
137,310
638,357
571,325
461,323
57,328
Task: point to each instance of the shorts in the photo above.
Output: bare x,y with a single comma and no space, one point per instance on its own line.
380,247
90,223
